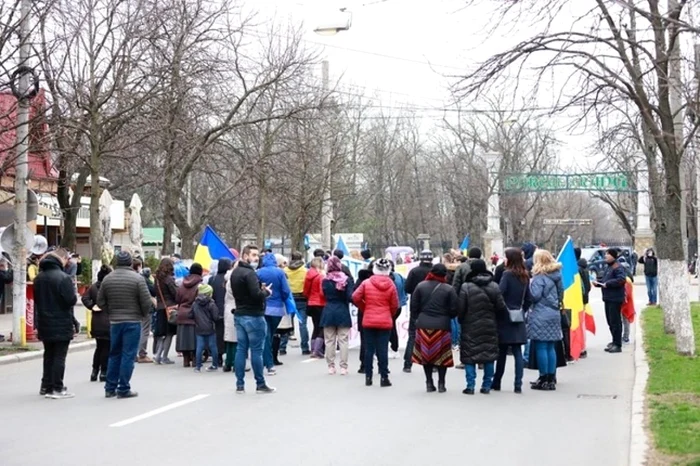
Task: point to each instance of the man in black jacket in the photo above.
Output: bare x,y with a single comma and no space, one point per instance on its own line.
613,286
249,318
415,277
54,298
651,273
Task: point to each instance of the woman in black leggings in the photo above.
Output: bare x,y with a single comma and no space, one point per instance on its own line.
315,304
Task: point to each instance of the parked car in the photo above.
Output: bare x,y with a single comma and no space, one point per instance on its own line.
596,258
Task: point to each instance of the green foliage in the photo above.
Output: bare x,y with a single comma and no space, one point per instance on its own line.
86,274
673,389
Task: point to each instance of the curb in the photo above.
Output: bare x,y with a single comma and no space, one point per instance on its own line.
639,440
31,355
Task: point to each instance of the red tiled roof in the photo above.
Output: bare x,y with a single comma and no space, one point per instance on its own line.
40,163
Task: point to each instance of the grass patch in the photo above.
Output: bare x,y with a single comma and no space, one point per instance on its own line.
674,391
7,350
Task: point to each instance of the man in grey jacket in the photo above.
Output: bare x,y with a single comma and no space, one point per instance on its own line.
125,296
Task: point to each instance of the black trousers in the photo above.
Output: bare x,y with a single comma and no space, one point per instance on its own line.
362,338
408,354
613,314
101,356
566,337
55,353
394,337
315,313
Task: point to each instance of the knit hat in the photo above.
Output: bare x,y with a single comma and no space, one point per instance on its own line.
382,267
366,254
614,253
439,270
338,253
475,253
206,290
124,259
478,266
196,269
426,255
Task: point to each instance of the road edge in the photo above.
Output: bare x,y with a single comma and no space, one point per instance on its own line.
639,439
32,355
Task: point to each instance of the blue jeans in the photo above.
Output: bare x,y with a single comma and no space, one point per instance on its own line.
546,357
456,331
652,289
501,365
526,352
124,344
377,341
272,323
470,371
251,331
303,327
208,341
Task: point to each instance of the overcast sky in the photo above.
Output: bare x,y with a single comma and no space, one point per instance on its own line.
407,52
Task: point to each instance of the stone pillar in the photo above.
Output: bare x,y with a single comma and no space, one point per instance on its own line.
493,238
643,236
424,241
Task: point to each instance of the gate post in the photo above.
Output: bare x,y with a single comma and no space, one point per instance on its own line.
493,238
643,235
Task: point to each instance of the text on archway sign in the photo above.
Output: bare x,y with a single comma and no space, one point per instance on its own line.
564,182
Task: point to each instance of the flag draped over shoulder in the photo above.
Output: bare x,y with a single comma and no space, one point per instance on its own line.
211,248
573,296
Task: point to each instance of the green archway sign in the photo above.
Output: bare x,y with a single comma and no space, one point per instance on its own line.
539,182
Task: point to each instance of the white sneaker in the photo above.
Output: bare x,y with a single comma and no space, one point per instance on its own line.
393,355
61,395
272,372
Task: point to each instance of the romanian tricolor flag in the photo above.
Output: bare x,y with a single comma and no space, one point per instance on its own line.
573,297
211,248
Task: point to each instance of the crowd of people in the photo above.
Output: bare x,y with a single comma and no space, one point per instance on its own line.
241,315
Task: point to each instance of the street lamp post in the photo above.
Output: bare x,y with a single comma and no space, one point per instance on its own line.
329,27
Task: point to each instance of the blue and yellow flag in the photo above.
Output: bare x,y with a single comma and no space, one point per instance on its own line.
573,295
211,248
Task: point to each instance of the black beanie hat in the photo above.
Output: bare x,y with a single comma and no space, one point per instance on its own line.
614,253
478,266
196,269
475,253
439,270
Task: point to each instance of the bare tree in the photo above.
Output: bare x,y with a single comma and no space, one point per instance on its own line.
612,59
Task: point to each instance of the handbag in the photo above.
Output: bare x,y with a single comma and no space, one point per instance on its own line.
170,311
517,316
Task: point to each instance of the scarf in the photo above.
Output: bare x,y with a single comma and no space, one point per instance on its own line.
339,278
435,278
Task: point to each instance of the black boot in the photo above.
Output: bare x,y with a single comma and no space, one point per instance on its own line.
385,382
540,380
429,385
275,350
361,370
442,372
93,376
551,383
103,376
368,381
541,384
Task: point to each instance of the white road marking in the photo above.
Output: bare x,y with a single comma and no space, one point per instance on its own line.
155,412
310,360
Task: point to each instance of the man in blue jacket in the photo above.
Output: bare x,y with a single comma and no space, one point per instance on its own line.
613,286
271,275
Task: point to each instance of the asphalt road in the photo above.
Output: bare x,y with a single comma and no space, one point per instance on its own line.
182,418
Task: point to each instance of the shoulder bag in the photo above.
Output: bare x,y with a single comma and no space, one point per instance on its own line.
170,311
517,316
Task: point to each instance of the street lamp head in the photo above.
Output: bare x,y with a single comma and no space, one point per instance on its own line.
335,23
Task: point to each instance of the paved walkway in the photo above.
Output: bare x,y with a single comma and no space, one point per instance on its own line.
315,419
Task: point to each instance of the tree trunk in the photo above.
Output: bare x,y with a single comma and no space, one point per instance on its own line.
168,248
96,243
678,302
262,213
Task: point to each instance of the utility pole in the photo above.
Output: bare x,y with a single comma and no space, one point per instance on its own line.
19,250
327,206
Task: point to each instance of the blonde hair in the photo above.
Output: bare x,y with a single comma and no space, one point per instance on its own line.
317,263
355,254
544,263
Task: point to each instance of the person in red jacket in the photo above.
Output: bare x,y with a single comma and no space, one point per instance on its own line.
378,300
316,301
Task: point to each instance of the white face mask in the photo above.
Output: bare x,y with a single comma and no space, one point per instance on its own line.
254,264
